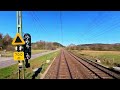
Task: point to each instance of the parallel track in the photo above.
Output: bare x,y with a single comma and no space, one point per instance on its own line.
69,66
102,69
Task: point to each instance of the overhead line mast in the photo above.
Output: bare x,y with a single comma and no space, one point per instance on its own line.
19,30
19,22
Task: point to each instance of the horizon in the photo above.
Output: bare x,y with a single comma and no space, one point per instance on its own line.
71,43
78,27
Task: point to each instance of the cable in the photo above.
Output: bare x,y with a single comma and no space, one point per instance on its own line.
108,26
38,19
101,27
106,29
34,21
61,26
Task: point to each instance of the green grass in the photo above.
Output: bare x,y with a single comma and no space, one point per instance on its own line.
38,51
107,58
8,71
11,71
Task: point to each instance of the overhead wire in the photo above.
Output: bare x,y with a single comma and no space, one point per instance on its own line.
98,21
38,19
105,29
37,23
34,22
98,33
61,27
90,26
102,33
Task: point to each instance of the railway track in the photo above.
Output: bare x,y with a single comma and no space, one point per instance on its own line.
69,66
59,69
100,71
53,70
63,71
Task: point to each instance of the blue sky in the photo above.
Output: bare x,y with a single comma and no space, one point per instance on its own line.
78,27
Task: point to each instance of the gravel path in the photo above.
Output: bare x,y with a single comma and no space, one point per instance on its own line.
8,61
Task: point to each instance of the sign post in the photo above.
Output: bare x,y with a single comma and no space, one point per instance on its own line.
23,47
19,42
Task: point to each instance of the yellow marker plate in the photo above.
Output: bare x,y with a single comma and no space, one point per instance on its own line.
18,55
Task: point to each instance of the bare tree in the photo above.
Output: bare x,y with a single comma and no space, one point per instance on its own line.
6,40
1,35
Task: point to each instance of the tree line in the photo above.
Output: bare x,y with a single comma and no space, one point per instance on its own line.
97,47
6,44
46,45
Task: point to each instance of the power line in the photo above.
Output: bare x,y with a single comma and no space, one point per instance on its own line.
91,25
105,29
34,21
103,26
97,21
38,19
115,26
61,26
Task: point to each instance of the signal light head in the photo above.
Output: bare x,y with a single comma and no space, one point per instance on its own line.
18,48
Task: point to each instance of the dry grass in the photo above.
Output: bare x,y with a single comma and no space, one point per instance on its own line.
10,53
108,58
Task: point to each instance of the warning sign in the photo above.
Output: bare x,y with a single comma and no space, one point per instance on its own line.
18,55
18,40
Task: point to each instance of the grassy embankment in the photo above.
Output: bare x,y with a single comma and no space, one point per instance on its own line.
11,71
107,58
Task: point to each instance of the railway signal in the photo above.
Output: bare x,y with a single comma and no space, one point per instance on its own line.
27,49
19,48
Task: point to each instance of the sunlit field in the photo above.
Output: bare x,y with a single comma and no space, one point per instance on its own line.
108,58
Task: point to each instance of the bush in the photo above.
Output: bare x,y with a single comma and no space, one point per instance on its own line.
10,48
118,65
